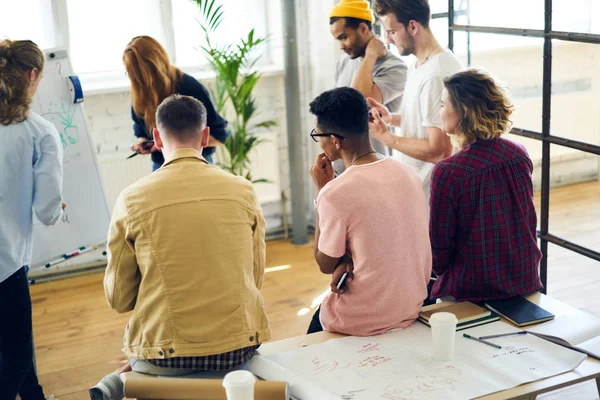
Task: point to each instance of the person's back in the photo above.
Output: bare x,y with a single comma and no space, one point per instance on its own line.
374,214
483,221
25,168
492,195
194,227
384,209
31,174
186,254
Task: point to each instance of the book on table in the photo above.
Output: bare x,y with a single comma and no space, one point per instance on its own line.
519,311
468,314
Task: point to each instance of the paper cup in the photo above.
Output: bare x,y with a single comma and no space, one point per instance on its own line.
239,385
443,332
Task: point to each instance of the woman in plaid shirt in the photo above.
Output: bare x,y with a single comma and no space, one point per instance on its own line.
483,221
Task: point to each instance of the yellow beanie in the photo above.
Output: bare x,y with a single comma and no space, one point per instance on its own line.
354,9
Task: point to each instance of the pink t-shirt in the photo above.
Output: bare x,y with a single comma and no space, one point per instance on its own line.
377,213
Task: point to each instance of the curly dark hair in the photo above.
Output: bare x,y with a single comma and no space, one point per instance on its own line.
342,110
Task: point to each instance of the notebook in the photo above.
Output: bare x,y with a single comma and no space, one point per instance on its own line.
467,313
581,333
519,311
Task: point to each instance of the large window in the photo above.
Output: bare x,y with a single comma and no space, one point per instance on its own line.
37,22
96,33
241,17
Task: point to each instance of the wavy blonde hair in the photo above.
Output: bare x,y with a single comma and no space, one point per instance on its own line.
17,59
153,77
483,109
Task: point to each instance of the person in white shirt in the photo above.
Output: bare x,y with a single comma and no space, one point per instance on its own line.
421,142
31,174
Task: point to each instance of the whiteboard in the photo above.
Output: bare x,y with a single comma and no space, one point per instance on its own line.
87,217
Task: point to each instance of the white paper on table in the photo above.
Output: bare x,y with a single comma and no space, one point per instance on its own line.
579,332
399,365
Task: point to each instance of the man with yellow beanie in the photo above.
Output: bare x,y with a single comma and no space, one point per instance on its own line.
366,66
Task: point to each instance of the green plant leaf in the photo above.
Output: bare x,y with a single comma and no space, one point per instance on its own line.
233,89
266,124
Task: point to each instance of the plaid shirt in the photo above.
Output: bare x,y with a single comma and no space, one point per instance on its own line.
217,362
483,223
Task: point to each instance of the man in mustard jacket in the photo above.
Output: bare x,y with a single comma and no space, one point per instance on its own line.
186,254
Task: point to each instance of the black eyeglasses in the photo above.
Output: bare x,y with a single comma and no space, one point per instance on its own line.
314,135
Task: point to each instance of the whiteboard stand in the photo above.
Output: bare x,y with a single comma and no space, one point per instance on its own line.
59,100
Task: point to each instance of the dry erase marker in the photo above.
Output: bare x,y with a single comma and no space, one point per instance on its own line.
481,341
503,335
66,255
80,251
342,280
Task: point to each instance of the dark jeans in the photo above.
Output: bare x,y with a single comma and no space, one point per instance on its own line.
315,324
428,301
17,370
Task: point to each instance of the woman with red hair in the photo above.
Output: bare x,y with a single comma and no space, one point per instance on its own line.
153,79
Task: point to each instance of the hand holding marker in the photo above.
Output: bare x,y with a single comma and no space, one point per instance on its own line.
146,145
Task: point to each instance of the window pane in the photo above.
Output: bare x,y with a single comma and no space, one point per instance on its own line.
576,16
28,19
574,109
438,6
506,13
575,210
575,92
517,63
99,35
239,19
439,27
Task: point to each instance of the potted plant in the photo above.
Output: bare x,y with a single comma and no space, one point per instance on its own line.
232,92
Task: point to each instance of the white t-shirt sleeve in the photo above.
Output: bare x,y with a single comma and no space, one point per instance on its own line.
431,102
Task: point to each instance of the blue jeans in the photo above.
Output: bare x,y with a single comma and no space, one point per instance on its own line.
17,364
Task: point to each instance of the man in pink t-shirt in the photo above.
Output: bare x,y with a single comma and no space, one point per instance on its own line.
372,222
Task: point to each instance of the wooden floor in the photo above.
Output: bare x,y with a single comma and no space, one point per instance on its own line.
78,338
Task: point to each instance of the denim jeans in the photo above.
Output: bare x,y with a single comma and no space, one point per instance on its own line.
17,368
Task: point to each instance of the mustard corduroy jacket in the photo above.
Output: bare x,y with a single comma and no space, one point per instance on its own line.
186,253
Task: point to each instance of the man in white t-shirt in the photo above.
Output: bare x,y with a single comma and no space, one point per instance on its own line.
421,142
